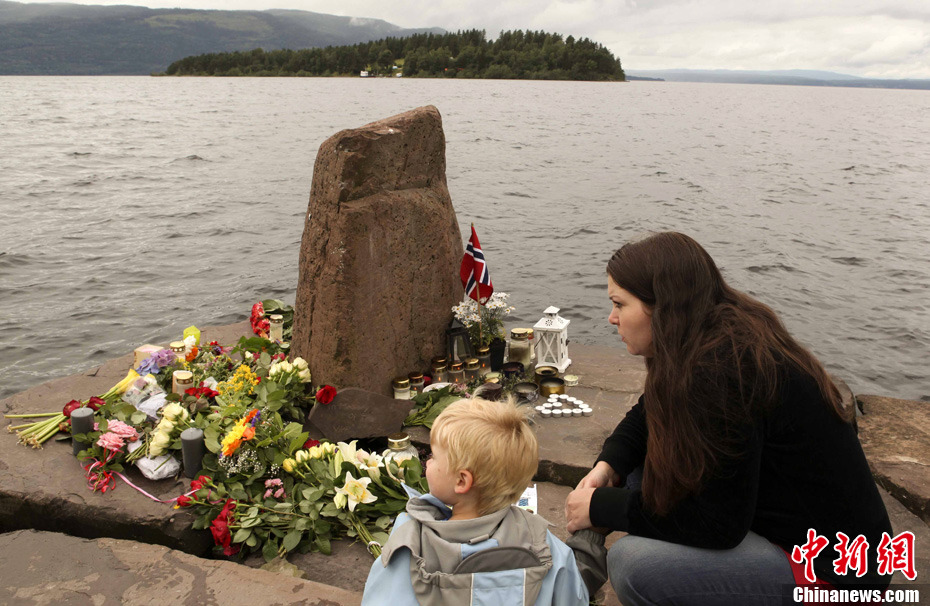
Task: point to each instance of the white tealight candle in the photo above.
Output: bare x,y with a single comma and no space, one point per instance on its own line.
546,413
577,412
556,412
587,412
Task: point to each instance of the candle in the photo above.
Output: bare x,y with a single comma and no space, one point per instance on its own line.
82,421
192,450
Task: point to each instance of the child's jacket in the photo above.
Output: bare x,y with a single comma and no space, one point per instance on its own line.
506,557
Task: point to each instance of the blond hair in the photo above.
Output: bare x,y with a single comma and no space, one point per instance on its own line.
492,440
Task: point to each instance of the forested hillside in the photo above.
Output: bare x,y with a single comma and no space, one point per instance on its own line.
465,54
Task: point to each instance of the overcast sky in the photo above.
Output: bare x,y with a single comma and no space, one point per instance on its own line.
875,38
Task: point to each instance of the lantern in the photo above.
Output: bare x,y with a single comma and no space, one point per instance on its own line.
552,340
458,343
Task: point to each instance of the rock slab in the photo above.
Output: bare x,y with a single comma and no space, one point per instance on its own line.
356,413
51,568
379,259
895,436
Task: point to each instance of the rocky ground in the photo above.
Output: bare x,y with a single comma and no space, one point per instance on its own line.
63,544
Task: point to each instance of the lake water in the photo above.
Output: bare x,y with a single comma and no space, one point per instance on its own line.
136,206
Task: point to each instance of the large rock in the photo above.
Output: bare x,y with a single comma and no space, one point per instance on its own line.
50,568
380,254
895,436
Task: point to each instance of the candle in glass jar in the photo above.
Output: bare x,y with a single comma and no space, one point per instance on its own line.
416,383
484,360
457,373
181,380
472,369
401,387
276,327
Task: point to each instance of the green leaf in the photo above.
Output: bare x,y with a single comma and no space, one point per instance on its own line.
291,539
304,524
383,522
252,541
250,522
312,494
330,510
241,535
323,545
137,417
284,506
270,549
265,359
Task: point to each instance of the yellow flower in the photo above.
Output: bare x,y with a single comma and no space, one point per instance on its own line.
289,465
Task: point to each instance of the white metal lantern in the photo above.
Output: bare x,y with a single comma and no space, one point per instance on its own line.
551,334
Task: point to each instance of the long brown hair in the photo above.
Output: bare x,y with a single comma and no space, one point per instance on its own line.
702,327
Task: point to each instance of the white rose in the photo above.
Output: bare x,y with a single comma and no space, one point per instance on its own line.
159,444
172,411
286,366
300,364
166,426
304,375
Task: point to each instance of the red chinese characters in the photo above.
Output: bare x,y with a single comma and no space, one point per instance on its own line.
805,554
897,554
853,555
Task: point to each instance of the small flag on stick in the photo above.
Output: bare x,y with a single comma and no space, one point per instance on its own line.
474,271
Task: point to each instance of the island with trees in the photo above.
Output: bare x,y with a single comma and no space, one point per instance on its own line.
521,55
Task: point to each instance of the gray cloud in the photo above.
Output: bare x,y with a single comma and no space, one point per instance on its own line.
876,38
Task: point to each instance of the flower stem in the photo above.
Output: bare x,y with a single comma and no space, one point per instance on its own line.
33,414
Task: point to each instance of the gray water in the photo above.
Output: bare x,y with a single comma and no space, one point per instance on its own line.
134,207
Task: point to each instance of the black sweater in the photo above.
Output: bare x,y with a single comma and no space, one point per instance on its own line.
801,467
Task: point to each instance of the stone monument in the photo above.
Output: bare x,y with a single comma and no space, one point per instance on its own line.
380,254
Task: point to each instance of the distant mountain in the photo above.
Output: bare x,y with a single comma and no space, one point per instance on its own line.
73,39
797,77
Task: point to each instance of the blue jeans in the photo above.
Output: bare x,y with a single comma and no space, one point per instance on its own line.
649,572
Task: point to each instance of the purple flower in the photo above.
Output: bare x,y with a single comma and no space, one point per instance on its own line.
256,419
155,362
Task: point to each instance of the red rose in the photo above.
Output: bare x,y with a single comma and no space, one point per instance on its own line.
95,403
311,443
427,380
326,394
184,501
258,310
200,482
71,407
220,529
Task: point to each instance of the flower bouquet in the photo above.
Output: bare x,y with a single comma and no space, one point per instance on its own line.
316,495
485,323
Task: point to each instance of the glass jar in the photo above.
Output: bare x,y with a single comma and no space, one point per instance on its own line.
401,387
520,350
472,369
439,373
530,334
416,383
179,350
276,327
484,360
457,373
399,448
181,380
440,360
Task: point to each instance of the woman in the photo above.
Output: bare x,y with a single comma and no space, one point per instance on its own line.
738,446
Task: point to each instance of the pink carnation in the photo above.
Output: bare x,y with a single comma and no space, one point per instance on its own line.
127,432
110,441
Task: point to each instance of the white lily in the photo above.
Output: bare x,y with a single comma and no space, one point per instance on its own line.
369,463
356,491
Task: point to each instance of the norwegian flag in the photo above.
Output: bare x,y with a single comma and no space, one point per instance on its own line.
474,271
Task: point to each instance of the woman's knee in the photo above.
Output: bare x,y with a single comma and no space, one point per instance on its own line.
634,570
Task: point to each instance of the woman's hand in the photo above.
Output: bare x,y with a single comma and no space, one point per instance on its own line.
602,475
578,508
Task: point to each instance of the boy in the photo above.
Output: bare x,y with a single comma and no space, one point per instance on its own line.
465,542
